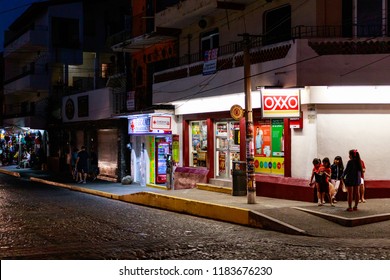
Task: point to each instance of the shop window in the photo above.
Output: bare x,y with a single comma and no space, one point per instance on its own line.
269,147
65,33
369,21
198,138
277,25
210,40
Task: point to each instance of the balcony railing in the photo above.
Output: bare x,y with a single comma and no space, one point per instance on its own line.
25,109
28,69
344,31
32,33
298,32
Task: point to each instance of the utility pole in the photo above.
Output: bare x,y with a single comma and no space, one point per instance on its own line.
250,150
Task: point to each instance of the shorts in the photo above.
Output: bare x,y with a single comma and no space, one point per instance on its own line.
82,168
324,187
336,184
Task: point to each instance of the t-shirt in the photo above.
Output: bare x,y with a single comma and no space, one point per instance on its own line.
83,158
324,170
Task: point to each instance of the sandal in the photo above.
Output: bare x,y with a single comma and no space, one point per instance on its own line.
355,208
349,209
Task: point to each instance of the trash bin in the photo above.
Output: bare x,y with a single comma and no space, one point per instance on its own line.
239,178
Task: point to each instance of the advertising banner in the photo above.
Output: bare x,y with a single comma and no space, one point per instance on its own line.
277,138
210,62
263,139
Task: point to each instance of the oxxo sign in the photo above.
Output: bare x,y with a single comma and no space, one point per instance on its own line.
280,104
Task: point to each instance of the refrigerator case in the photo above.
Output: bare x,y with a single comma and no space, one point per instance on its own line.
161,162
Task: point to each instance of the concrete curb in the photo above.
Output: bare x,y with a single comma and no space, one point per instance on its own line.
348,222
213,211
12,173
75,188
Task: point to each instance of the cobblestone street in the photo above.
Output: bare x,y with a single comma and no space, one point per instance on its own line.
42,222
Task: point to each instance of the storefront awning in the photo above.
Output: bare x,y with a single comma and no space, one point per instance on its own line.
14,129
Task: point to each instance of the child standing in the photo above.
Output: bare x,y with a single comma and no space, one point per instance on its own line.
324,177
316,177
337,169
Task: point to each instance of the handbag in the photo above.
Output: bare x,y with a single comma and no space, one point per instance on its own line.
344,188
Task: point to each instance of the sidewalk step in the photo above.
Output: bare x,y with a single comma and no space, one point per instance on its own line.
213,188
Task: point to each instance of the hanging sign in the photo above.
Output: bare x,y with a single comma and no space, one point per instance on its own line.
236,112
139,125
280,104
210,62
296,122
161,122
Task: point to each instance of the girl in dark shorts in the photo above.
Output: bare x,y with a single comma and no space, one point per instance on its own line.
323,177
352,178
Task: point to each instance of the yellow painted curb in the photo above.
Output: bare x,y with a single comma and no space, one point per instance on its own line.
156,186
193,207
12,173
219,212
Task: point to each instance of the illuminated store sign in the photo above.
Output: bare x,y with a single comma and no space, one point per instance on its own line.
280,104
150,125
139,125
160,122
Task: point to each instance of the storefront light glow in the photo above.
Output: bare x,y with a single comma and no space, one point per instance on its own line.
215,103
344,94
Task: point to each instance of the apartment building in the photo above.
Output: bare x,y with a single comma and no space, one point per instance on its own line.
152,128
63,82
318,83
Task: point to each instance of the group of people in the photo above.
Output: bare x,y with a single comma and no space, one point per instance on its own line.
78,163
327,178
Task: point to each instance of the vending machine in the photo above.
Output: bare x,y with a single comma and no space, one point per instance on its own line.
162,150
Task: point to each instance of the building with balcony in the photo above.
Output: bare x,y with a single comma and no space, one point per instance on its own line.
151,127
63,80
318,80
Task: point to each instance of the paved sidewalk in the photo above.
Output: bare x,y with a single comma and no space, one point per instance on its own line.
372,220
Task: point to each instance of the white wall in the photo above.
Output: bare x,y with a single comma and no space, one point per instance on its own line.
344,118
356,128
304,146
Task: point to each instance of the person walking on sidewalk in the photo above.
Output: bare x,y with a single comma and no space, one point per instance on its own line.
337,169
74,155
352,178
82,165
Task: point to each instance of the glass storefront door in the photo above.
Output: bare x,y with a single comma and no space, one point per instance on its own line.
227,147
198,143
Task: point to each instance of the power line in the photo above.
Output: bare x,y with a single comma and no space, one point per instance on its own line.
238,80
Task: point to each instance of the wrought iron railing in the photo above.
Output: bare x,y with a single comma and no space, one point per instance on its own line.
297,32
